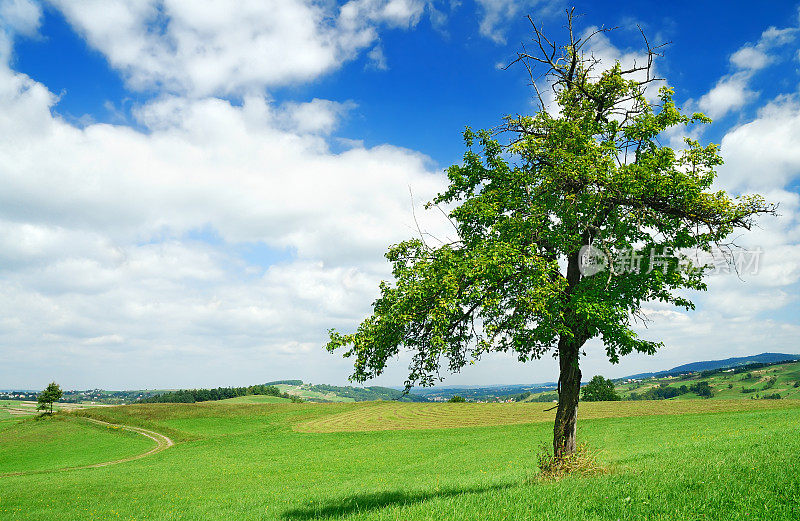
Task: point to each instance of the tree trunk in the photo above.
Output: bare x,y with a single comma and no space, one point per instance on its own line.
569,387
569,378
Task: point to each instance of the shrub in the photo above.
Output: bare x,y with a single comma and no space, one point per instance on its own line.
456,399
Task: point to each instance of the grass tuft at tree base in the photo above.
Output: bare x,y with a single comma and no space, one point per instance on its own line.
583,462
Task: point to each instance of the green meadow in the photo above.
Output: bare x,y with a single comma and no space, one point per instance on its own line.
678,460
43,443
780,379
256,398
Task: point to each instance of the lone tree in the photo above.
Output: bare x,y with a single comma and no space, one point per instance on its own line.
589,175
46,398
599,389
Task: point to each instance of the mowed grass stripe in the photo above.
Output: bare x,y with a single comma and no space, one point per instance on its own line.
384,416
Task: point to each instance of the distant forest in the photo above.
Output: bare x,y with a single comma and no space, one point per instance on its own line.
220,393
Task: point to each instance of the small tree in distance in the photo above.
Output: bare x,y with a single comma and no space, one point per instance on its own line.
599,389
702,389
46,398
589,174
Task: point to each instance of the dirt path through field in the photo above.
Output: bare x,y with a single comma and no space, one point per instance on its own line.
162,443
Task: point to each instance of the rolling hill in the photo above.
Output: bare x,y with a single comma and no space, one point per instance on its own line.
707,365
751,381
334,393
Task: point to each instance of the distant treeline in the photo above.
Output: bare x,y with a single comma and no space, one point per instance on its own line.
285,382
220,393
544,397
664,391
364,394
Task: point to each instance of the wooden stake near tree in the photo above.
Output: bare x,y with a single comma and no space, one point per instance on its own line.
50,395
586,178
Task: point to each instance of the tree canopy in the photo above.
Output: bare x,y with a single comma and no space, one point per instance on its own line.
590,171
51,394
599,389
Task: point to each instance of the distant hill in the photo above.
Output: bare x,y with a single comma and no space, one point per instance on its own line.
485,393
708,365
542,391
753,380
335,393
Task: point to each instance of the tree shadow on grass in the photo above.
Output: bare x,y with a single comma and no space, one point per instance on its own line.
360,503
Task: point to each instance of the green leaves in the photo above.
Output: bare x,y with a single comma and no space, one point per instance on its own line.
599,389
594,175
52,393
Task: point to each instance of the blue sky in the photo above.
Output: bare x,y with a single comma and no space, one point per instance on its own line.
194,194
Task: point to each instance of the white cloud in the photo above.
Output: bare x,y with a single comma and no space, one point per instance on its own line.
17,17
317,116
708,335
377,58
730,93
395,13
750,58
103,284
732,90
756,56
214,48
496,15
20,16
96,253
765,152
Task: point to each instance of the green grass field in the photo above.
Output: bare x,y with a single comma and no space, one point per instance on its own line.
61,441
730,461
255,398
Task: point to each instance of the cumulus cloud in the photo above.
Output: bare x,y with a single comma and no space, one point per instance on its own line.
98,226
756,56
20,16
124,249
317,116
732,91
17,17
214,48
764,153
496,15
705,335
